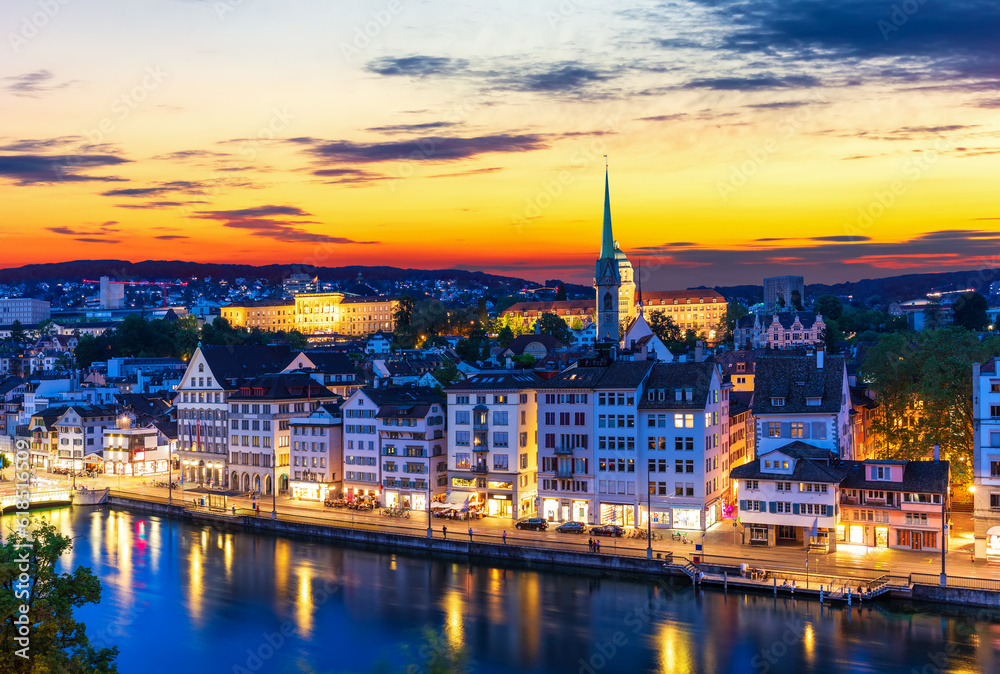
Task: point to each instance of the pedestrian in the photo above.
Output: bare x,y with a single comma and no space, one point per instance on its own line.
470,534
234,511
590,545
597,546
505,538
444,532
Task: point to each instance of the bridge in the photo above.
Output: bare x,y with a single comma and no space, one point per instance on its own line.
36,499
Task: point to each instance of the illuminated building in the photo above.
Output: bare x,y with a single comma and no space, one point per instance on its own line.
317,454
317,313
492,442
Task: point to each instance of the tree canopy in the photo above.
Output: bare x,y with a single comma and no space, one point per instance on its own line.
969,311
552,324
829,306
58,643
924,387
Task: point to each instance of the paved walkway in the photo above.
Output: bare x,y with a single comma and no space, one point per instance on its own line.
719,545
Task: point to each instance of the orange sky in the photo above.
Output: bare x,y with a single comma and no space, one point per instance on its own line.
475,137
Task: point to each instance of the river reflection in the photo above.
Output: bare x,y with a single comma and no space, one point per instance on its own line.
188,598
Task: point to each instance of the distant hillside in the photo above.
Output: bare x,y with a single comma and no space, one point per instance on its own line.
159,270
888,289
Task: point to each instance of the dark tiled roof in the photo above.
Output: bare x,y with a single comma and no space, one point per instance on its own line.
168,428
482,382
521,342
621,374
698,295
918,477
241,361
739,402
812,464
787,318
989,367
727,361
672,376
366,299
409,411
796,378
331,362
560,307
403,395
284,386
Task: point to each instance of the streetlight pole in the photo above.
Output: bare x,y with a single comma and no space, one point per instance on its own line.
944,521
170,477
649,517
274,488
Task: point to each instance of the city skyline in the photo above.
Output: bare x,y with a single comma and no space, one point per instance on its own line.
431,136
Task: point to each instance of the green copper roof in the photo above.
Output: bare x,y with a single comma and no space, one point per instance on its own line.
607,238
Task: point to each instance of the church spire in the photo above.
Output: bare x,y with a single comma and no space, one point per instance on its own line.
607,238
638,284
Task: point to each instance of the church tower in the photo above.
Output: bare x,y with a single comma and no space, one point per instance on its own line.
607,279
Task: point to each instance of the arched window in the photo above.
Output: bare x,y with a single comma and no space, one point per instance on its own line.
201,367
609,302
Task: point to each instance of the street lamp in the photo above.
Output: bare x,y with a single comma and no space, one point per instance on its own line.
274,488
170,477
944,521
649,517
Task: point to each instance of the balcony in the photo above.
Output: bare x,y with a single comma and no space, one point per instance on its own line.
480,468
564,450
565,474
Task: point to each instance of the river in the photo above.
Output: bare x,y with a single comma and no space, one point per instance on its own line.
184,597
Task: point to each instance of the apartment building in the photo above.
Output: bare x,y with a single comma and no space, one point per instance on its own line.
214,374
311,313
802,495
80,431
317,456
24,310
260,413
700,310
394,445
803,398
572,424
683,439
493,443
986,458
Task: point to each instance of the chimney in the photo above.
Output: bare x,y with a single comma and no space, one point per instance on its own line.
937,452
699,351
819,356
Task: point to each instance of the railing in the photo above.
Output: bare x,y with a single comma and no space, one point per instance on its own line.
563,450
956,581
564,473
480,469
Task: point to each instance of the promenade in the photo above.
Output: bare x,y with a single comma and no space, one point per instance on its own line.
720,546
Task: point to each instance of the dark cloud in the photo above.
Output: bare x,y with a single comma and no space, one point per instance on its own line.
845,238
170,237
33,84
259,221
558,79
186,186
101,231
428,149
32,169
412,128
158,204
349,176
39,145
182,155
417,66
754,82
470,172
89,240
935,40
664,118
783,104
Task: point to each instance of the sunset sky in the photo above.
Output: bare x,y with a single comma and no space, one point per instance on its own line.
837,140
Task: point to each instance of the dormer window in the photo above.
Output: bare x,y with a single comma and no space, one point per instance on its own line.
881,473
778,402
813,402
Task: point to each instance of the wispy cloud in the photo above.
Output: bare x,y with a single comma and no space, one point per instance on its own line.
34,169
262,221
33,84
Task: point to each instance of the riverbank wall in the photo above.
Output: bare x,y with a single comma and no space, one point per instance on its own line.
548,559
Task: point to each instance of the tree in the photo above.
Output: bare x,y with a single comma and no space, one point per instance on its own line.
829,306
925,393
551,324
969,312
4,464
932,313
446,373
64,362
734,312
560,292
832,335
664,327
45,328
403,313
17,334
505,336
58,642
523,359
797,300
296,340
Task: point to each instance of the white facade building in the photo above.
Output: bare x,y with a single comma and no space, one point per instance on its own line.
986,458
317,454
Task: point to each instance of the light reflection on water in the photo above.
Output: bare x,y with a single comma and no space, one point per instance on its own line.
184,597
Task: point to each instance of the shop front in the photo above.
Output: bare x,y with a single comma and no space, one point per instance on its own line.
556,510
309,491
550,509
687,518
711,514
618,513
499,505
993,544
581,511
661,518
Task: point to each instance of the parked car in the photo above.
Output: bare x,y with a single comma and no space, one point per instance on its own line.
572,528
607,530
533,524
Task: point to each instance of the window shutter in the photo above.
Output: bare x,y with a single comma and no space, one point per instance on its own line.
795,508
786,429
805,430
743,506
874,472
772,506
826,510
819,430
